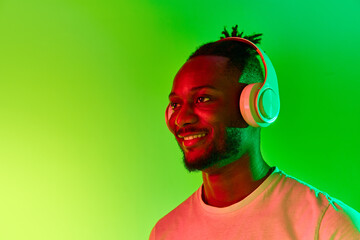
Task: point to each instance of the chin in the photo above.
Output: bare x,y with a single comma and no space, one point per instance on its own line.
200,160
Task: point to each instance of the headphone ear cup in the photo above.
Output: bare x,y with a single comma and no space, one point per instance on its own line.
269,106
247,104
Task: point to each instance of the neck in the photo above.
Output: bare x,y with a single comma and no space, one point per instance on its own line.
230,184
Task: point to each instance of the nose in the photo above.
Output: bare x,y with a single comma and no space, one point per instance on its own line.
186,116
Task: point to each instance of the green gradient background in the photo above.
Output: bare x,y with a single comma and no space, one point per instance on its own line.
84,149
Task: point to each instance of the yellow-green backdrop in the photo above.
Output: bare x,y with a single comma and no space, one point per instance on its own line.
84,150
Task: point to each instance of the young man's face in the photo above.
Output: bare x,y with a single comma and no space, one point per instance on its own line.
206,119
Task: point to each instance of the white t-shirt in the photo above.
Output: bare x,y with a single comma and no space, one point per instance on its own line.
282,207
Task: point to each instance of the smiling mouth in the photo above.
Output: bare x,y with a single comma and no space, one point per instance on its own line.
192,140
191,137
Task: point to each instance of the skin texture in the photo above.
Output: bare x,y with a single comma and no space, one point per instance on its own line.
205,100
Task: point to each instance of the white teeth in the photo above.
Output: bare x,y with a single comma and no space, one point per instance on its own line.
194,136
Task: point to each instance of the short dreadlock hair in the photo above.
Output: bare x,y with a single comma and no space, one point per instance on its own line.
241,55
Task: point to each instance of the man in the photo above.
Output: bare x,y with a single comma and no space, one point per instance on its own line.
242,197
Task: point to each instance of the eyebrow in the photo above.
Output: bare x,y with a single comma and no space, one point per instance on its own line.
195,89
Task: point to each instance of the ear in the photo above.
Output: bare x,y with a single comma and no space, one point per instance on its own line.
168,113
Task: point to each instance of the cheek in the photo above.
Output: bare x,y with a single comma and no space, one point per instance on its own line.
222,131
219,132
232,116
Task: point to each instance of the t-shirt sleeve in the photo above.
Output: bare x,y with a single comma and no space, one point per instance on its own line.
340,222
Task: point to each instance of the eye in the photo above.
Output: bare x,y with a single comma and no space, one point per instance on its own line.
174,105
202,99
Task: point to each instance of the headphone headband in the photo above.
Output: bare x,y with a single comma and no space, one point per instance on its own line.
267,101
258,50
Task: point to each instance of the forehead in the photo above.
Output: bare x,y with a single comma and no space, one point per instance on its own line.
205,71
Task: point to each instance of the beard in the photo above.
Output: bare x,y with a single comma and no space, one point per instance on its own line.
220,152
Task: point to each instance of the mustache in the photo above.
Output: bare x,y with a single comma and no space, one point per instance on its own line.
185,130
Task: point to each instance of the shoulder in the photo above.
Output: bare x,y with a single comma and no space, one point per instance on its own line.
298,193
174,220
335,219
339,222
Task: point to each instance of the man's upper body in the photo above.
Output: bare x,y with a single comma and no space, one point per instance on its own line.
280,208
215,138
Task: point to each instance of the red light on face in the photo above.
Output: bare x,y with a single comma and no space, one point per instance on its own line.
203,102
